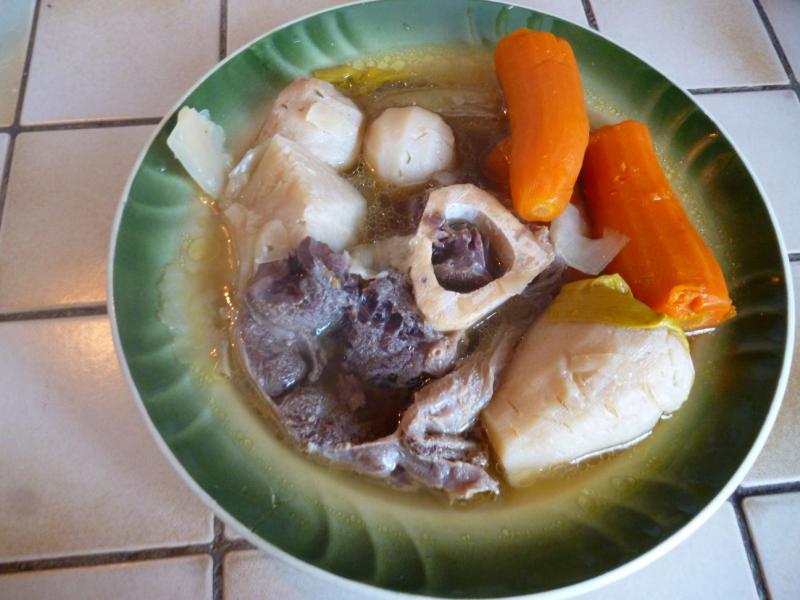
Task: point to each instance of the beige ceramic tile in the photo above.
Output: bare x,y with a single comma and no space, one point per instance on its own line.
710,565
80,472
779,462
118,58
15,27
766,127
698,44
63,192
784,15
248,19
253,574
174,579
776,534
232,533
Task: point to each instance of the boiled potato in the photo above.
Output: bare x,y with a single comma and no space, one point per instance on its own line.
292,194
407,146
573,389
317,116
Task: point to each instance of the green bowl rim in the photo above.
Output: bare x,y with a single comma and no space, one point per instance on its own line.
582,587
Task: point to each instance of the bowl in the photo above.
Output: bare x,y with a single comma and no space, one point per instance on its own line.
557,538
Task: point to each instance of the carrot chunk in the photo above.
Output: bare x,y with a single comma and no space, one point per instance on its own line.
549,124
667,263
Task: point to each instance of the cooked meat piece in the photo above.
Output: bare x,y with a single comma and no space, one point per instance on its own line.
523,252
434,444
459,479
388,343
450,405
316,419
350,389
444,410
379,458
288,303
273,366
306,293
276,359
461,259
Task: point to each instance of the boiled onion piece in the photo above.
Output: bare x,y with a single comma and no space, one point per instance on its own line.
523,254
568,232
448,102
240,174
199,144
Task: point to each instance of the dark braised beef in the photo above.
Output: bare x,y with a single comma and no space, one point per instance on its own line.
435,443
318,420
307,292
276,359
461,257
368,422
388,343
289,302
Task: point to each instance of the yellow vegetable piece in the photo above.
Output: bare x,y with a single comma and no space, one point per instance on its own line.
362,80
606,299
336,75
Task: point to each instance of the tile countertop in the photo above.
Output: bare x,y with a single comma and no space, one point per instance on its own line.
88,507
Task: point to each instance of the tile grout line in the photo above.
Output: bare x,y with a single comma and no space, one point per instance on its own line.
749,547
223,29
218,550
12,131
590,16
103,559
794,256
117,558
90,124
741,88
768,489
81,124
89,310
778,47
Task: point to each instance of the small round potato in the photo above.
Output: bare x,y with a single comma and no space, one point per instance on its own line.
407,146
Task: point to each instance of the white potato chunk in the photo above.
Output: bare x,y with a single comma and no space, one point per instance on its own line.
317,116
199,144
407,146
575,389
292,194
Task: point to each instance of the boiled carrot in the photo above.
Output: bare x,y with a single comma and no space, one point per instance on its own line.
667,263
549,125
